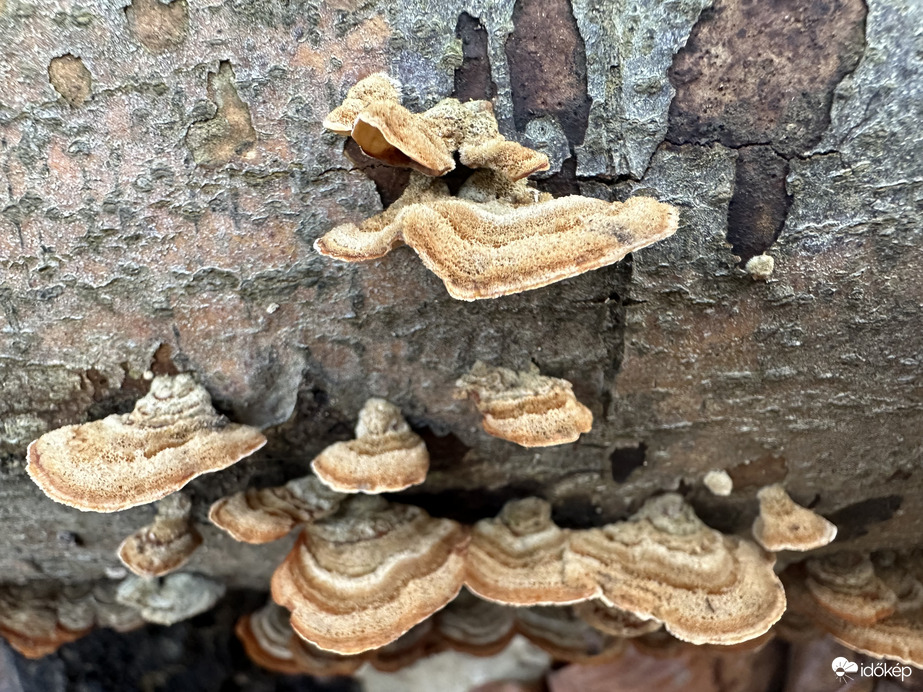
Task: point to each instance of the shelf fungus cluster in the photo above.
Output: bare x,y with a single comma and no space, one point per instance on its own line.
497,236
525,407
164,545
172,436
871,604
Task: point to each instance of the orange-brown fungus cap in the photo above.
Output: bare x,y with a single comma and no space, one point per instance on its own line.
387,131
615,621
164,545
267,514
265,635
483,253
375,87
475,626
783,525
386,455
36,620
558,630
518,558
379,234
664,563
418,642
525,407
172,436
362,577
845,585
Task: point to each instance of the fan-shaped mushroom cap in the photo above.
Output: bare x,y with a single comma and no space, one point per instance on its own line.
475,626
558,630
783,525
481,253
525,407
265,635
378,235
164,545
171,599
615,621
387,131
386,455
375,87
664,563
36,621
172,436
518,558
267,514
845,585
362,577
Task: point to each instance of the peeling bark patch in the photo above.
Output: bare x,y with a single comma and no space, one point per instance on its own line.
70,78
472,79
760,72
227,135
158,26
854,520
548,66
625,460
758,473
760,203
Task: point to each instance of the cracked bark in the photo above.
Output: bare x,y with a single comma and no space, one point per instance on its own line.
128,244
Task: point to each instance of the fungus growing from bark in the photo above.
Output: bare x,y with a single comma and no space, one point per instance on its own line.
474,626
375,87
164,545
560,632
373,115
386,455
265,635
172,436
846,586
664,563
359,579
267,514
518,558
171,599
615,621
719,482
783,525
525,407
33,621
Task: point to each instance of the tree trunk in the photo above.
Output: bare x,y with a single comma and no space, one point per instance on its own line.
164,172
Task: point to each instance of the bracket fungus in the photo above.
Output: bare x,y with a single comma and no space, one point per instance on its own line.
475,626
360,578
560,632
267,514
35,622
846,586
525,407
386,455
518,558
164,545
615,621
784,525
373,115
265,635
172,436
170,599
664,563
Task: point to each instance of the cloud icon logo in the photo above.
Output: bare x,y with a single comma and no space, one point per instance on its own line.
841,666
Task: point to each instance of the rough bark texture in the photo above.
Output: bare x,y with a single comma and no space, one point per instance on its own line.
163,173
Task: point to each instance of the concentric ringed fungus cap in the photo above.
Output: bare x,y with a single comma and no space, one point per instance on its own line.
34,623
783,525
558,631
361,578
480,253
170,599
267,514
525,407
172,436
386,455
265,635
518,558
475,626
164,545
664,563
846,586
